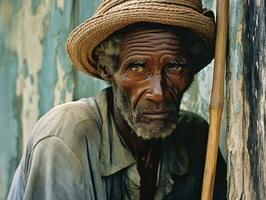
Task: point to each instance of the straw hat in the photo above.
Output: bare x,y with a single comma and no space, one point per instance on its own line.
113,15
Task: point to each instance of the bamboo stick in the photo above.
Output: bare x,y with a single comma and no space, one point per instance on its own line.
217,99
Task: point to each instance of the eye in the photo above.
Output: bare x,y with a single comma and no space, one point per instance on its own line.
137,66
174,67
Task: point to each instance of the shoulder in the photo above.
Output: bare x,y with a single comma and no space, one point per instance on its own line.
70,122
63,136
78,124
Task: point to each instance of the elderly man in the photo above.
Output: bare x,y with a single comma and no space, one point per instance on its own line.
131,141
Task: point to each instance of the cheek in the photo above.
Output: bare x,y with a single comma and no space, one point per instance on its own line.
131,87
178,84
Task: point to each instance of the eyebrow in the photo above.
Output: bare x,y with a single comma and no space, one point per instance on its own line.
139,62
132,58
176,61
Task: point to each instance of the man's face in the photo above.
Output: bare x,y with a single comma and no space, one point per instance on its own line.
153,73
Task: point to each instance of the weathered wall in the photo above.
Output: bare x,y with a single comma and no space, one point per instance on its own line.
246,82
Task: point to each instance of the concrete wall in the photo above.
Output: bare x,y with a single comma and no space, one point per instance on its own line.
35,73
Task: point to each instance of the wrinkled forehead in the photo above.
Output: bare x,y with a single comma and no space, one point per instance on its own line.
153,31
152,39
152,36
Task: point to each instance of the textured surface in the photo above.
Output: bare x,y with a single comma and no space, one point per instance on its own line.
246,101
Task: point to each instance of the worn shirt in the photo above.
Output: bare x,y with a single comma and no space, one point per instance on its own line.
75,152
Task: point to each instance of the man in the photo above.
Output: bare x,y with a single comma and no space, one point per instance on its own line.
131,141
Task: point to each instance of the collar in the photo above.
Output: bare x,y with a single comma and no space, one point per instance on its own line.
114,155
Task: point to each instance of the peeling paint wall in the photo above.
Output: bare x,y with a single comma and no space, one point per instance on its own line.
27,31
236,101
246,95
10,104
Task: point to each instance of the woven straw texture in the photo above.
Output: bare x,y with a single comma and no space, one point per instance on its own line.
113,15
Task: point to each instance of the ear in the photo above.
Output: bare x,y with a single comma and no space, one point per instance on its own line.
104,72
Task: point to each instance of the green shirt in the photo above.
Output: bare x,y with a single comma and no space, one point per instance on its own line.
75,152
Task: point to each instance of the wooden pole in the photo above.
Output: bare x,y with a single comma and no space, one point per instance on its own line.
217,99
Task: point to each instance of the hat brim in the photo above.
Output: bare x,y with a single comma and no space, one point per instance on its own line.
84,38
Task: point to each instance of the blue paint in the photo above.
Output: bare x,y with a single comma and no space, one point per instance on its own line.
85,85
207,3
9,119
10,106
238,107
58,28
236,46
86,9
34,5
62,56
47,75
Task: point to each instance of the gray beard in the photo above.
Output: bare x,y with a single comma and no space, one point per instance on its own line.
143,127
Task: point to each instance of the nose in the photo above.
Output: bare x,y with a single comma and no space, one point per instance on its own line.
155,92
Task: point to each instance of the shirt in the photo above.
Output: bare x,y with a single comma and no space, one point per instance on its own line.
75,152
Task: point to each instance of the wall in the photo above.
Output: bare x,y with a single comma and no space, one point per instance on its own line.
246,94
35,73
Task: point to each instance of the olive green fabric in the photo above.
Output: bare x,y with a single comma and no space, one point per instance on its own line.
75,152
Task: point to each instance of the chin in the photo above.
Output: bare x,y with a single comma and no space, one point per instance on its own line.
154,130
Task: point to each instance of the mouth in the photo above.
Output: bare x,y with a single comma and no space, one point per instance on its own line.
157,115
